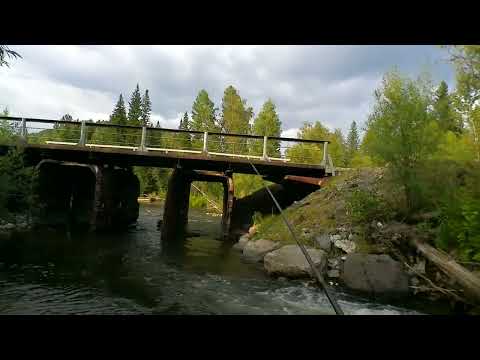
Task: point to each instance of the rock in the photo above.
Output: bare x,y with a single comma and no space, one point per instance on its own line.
256,250
242,241
333,273
379,224
238,246
333,263
343,258
324,242
289,261
375,274
8,226
345,245
335,237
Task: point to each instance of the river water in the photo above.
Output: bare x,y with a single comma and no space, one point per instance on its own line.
53,272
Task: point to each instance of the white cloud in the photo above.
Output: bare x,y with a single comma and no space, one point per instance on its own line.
331,84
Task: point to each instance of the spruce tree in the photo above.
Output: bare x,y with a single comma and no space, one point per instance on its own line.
118,117
185,140
119,114
135,108
267,123
146,109
353,142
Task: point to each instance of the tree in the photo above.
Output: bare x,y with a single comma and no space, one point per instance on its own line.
135,108
305,152
466,59
235,119
6,52
267,123
203,119
146,109
119,114
118,117
443,110
353,143
185,140
402,132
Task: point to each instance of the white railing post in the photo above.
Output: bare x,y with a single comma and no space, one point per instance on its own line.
325,149
265,156
144,138
83,134
23,130
205,137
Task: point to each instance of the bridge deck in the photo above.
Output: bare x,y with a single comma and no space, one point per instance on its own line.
168,159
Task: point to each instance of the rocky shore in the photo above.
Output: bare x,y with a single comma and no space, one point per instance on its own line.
14,223
373,259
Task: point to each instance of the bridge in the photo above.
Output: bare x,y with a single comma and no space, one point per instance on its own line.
84,167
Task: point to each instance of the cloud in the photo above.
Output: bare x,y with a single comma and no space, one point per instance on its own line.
332,84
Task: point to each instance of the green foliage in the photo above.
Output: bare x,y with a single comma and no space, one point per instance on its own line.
235,119
185,141
146,109
444,113
313,153
402,131
135,108
353,143
365,206
15,183
267,123
203,119
459,203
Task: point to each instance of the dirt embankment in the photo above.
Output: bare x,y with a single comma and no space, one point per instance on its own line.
369,248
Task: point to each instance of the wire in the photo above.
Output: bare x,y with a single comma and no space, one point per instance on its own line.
319,277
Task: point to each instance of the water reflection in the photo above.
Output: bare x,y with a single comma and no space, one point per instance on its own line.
131,272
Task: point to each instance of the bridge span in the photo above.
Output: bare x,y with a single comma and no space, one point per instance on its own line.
106,149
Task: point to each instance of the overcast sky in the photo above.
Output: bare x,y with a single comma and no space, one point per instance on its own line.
332,84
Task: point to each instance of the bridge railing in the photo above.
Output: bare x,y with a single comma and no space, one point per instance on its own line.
138,138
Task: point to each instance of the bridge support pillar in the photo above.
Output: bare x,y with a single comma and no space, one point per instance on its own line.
85,196
175,215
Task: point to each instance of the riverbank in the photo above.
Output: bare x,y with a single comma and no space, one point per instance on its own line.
357,244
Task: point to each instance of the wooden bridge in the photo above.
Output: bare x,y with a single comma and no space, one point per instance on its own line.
212,156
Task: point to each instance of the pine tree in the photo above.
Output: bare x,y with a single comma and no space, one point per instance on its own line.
353,142
203,119
146,109
267,123
235,119
135,108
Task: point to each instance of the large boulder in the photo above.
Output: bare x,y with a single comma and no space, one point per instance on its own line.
254,251
289,261
375,274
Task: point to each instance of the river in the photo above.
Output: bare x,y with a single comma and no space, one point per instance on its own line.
52,272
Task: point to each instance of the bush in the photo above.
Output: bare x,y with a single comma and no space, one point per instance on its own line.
365,206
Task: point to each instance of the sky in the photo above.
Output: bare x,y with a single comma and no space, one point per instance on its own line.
330,84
